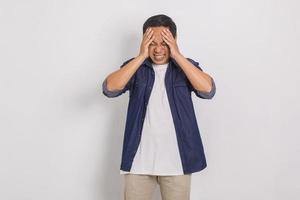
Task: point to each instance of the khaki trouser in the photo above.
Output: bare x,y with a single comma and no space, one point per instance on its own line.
141,187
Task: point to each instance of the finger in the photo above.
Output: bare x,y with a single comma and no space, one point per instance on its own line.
166,37
150,40
150,31
145,36
149,36
163,33
169,32
167,41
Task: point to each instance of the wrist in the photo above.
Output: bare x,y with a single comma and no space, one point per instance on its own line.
142,56
177,55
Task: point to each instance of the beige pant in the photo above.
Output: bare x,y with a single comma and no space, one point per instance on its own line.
141,187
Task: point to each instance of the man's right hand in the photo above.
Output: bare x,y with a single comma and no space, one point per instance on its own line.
148,37
118,79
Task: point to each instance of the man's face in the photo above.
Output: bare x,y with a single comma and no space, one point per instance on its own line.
159,51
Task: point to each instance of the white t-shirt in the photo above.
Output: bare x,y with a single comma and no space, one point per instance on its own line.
158,152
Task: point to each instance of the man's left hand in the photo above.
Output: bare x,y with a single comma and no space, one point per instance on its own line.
171,42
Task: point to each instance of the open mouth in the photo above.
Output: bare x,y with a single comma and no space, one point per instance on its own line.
158,56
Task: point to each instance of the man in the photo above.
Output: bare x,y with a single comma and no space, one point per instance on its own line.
162,143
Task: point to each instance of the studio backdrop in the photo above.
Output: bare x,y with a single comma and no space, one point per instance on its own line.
61,138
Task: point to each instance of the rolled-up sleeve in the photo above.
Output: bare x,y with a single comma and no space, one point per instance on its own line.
115,93
207,95
201,94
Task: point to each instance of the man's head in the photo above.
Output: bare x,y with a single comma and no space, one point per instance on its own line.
159,51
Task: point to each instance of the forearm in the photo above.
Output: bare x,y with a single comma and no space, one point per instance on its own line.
200,80
118,79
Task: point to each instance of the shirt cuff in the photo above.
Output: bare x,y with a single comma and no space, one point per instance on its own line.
109,93
207,95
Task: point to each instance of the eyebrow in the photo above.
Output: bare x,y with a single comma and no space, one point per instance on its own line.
161,42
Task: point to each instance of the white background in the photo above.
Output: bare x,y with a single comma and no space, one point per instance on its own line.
61,138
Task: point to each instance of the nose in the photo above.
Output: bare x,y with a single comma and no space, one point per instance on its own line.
157,49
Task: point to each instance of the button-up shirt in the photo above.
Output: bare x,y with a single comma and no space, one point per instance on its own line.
179,90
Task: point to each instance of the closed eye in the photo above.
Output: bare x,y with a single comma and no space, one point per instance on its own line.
163,44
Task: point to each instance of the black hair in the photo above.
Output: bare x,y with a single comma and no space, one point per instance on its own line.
160,20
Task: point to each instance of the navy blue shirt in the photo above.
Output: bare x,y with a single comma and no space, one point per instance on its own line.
179,90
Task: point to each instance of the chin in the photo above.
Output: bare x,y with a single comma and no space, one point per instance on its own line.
160,62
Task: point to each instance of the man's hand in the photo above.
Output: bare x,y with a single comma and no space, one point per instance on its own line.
147,39
171,42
